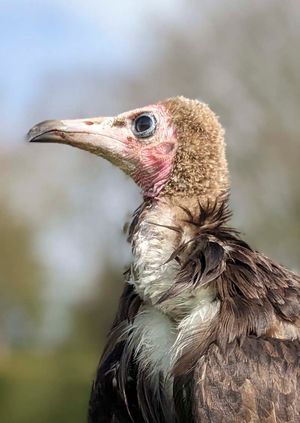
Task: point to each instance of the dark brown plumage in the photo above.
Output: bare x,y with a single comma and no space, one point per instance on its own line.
246,366
207,328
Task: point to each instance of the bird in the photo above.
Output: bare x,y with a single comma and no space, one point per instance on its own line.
207,328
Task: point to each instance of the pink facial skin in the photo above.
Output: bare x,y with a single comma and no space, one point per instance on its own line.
152,157
147,160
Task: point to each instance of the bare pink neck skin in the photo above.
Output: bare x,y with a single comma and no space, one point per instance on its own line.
156,169
155,164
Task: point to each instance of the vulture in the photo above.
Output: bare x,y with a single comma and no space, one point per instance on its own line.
207,328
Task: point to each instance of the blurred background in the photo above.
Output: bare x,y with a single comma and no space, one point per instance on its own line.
62,248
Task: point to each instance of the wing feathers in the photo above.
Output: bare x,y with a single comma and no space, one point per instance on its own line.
256,382
233,370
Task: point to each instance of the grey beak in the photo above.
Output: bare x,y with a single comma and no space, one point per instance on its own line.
46,131
96,135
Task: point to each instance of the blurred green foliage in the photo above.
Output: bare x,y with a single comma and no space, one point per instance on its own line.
20,274
41,383
45,387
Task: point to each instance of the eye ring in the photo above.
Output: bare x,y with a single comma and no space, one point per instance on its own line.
144,125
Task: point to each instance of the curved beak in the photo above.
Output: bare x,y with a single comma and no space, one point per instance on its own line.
96,135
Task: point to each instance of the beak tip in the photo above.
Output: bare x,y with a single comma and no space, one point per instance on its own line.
43,131
29,137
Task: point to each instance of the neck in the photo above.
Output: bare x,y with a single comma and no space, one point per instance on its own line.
158,229
164,332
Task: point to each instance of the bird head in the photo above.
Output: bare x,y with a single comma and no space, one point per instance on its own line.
174,147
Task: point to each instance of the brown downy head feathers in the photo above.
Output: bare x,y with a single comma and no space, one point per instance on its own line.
174,147
200,167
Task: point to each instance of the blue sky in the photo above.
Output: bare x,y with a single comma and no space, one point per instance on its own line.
39,37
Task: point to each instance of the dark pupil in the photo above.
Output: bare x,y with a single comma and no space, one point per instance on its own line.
143,123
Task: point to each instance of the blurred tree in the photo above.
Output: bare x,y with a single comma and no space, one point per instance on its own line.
19,283
93,316
46,388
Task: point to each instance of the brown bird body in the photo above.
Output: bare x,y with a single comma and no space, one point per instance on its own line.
207,329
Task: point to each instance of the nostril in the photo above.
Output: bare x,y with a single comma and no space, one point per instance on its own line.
88,122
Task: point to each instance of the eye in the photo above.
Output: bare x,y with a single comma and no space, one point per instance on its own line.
144,125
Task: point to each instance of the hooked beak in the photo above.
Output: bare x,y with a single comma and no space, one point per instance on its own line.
95,135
